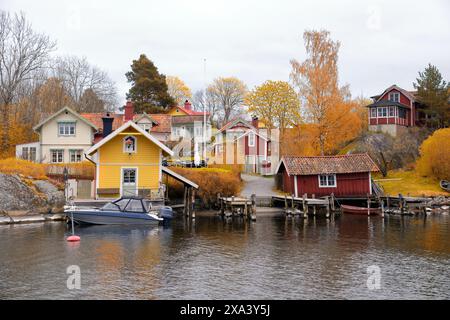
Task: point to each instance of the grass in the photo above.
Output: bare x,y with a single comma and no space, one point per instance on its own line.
409,183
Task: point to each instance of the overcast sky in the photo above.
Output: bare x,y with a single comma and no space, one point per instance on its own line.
382,42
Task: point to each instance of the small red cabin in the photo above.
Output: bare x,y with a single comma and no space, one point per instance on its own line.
344,175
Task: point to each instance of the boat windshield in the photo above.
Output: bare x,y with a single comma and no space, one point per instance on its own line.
135,205
117,205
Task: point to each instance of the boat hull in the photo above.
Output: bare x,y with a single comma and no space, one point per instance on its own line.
445,185
360,210
112,218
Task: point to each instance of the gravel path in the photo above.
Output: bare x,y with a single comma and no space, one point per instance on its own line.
259,185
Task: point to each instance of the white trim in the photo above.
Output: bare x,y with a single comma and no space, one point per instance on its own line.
76,114
251,134
370,182
160,163
295,186
279,165
97,174
327,186
180,177
394,93
126,125
121,179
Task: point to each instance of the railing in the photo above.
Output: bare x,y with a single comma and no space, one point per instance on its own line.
377,189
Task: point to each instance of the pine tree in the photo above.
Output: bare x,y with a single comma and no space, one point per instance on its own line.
434,93
149,90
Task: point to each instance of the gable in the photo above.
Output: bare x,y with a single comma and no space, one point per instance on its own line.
177,111
403,98
49,131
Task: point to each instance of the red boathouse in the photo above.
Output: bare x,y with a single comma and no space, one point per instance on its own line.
343,175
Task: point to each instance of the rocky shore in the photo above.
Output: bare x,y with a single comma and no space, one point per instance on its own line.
24,199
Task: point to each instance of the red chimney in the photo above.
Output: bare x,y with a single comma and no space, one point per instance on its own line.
129,111
187,105
255,122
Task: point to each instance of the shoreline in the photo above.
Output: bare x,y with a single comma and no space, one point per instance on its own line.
35,218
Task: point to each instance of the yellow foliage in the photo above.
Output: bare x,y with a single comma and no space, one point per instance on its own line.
178,90
435,155
24,167
211,181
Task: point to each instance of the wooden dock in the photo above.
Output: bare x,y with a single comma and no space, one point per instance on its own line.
238,206
304,206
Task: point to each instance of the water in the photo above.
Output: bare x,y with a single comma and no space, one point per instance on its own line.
272,258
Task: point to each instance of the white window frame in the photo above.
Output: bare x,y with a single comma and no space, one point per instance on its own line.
57,155
393,112
394,94
29,153
383,114
25,153
327,179
74,152
146,126
66,125
125,147
372,112
251,139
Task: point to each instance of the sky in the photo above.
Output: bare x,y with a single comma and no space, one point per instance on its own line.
382,42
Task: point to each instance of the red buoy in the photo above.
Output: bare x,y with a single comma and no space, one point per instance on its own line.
73,238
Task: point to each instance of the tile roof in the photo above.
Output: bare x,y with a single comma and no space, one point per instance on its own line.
191,112
349,163
163,120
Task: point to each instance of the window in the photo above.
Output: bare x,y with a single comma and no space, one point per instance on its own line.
25,153
382,112
57,155
146,126
327,180
251,139
198,131
391,112
394,96
66,128
373,112
76,155
129,144
129,175
134,206
32,154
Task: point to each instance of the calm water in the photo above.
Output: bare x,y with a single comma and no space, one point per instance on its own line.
273,258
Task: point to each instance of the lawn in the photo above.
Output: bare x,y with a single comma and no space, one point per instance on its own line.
409,182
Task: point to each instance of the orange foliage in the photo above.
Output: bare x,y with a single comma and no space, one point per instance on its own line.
18,133
435,155
24,167
211,181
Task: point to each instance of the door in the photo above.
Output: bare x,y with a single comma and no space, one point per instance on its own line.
84,189
129,181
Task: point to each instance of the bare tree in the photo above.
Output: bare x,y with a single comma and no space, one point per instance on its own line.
23,53
78,76
229,95
206,102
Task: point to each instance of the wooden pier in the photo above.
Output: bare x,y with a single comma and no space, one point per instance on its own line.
305,206
237,206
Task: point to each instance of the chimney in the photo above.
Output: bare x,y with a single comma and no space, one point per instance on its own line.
187,105
129,111
255,122
107,124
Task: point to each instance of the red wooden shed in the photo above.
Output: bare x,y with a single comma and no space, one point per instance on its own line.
344,175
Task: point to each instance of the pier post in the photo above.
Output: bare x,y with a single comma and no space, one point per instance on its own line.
401,204
314,206
332,202
368,204
305,206
231,205
193,204
328,206
382,206
253,198
185,202
285,202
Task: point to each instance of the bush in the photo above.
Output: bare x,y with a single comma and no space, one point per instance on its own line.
435,155
211,181
24,167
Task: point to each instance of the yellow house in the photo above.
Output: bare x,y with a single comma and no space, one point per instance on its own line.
128,163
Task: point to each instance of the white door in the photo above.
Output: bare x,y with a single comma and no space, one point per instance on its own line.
129,184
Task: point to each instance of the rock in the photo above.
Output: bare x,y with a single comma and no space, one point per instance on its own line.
20,197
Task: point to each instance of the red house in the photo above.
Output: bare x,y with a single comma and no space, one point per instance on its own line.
343,175
394,109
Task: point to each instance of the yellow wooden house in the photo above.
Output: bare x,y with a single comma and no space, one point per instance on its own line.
128,163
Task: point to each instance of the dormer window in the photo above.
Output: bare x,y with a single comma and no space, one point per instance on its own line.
129,144
394,96
66,128
146,126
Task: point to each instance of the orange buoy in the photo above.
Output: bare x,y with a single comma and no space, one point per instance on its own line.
73,238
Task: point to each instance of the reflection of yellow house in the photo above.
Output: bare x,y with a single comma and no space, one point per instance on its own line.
128,162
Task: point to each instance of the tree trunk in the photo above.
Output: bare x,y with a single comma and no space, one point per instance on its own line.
5,130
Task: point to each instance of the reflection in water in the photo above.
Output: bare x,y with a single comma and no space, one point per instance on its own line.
212,257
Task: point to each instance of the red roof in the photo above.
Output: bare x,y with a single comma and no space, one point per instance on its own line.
349,163
191,112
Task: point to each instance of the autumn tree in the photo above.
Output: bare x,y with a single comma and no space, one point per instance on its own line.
178,90
23,52
275,103
204,100
434,93
228,94
435,156
149,90
84,82
326,106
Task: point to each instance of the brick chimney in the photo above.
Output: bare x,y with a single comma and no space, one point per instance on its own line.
187,105
129,111
107,124
255,122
